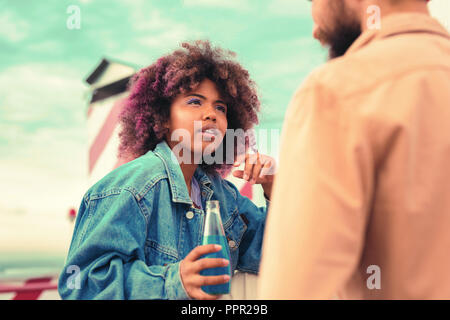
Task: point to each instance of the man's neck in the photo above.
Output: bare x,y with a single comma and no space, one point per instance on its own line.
387,8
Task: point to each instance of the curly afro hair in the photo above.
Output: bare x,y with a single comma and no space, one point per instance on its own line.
152,90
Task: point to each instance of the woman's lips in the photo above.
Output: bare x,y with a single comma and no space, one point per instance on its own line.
209,134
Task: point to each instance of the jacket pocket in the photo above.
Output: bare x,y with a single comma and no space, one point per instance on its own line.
235,228
157,254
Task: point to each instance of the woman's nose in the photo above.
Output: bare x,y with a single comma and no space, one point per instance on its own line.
210,114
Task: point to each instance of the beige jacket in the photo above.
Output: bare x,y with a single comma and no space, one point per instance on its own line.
361,201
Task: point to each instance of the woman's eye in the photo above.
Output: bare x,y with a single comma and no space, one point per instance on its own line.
222,109
194,101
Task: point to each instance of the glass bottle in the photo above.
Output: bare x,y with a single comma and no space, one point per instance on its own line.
214,234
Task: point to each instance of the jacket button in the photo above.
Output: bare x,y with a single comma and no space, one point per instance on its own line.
232,244
189,215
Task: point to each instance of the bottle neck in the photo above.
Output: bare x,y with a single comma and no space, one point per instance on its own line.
213,224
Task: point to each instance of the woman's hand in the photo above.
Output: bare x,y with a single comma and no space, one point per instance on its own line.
259,169
191,266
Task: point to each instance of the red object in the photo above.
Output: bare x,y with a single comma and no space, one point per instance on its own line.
104,134
72,213
32,288
247,190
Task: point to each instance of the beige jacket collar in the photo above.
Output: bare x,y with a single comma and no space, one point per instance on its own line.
399,23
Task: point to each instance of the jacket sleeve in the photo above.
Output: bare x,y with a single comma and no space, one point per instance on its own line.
254,217
106,258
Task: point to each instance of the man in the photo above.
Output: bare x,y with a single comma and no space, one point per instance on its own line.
362,195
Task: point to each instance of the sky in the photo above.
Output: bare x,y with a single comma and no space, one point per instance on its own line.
43,64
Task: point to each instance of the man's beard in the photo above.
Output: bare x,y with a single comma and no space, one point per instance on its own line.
341,39
344,32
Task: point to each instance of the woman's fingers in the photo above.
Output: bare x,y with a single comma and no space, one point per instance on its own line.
211,280
253,169
250,161
199,251
243,156
208,281
238,174
256,171
199,294
267,169
208,263
200,281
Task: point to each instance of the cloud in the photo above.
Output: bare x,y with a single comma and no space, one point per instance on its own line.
155,29
43,151
13,28
222,4
299,8
291,60
47,182
51,93
48,46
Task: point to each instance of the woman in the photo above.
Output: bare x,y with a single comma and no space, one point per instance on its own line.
139,229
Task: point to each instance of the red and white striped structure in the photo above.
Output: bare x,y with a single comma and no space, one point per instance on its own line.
43,287
108,89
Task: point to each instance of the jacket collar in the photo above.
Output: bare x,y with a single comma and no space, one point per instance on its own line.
175,175
399,23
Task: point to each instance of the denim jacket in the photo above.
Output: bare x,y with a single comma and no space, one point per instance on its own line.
137,223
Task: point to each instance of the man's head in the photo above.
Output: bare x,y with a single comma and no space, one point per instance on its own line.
338,23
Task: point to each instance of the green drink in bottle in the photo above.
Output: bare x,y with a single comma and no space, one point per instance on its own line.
214,234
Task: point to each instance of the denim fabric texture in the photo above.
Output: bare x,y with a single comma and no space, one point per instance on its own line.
136,224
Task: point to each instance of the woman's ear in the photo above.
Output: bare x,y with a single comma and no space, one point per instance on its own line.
166,125
166,130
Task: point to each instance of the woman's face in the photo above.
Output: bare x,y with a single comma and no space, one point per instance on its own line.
198,121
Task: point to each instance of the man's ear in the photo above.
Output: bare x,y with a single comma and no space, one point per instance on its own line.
355,5
358,8
354,2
